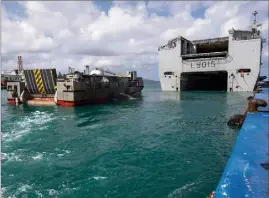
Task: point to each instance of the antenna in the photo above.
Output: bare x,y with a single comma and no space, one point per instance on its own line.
19,66
254,13
255,31
87,70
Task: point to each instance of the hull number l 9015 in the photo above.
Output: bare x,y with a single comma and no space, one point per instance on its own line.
203,64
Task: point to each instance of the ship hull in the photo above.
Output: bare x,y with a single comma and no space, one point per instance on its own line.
83,102
102,97
97,92
233,63
11,101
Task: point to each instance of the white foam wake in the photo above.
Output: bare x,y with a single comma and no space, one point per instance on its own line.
35,121
98,178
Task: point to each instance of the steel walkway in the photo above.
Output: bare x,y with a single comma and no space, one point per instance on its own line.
41,81
244,175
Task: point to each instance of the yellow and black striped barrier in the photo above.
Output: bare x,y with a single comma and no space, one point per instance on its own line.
41,80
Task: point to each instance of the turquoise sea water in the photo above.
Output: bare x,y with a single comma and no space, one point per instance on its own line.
165,144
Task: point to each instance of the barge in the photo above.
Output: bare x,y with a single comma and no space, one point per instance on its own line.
96,87
43,87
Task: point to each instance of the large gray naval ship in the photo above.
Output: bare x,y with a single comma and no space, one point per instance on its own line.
229,63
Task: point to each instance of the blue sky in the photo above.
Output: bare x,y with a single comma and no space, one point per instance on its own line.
126,36
14,7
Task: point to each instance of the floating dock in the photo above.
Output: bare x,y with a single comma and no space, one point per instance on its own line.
246,172
37,87
43,87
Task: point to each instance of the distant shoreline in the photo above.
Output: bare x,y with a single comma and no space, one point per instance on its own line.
148,80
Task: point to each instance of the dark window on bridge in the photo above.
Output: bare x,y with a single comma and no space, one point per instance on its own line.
9,87
168,73
15,87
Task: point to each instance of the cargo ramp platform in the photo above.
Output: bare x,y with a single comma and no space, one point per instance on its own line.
41,81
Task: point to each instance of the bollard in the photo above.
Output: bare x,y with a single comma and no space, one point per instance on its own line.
211,195
255,103
261,102
236,121
252,106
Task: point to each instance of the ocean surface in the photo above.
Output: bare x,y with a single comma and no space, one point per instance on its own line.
164,144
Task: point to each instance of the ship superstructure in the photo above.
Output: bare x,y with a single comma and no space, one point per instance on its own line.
229,63
12,75
9,76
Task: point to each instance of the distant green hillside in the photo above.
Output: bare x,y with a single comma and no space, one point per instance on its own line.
150,81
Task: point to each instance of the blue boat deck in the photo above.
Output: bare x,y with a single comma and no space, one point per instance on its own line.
243,175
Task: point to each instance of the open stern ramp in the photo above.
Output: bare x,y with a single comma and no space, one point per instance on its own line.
41,81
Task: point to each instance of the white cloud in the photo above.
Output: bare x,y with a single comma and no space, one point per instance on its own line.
238,22
127,36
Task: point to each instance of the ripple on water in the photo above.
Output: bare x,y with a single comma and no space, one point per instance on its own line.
7,157
37,121
182,191
28,156
98,178
39,156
